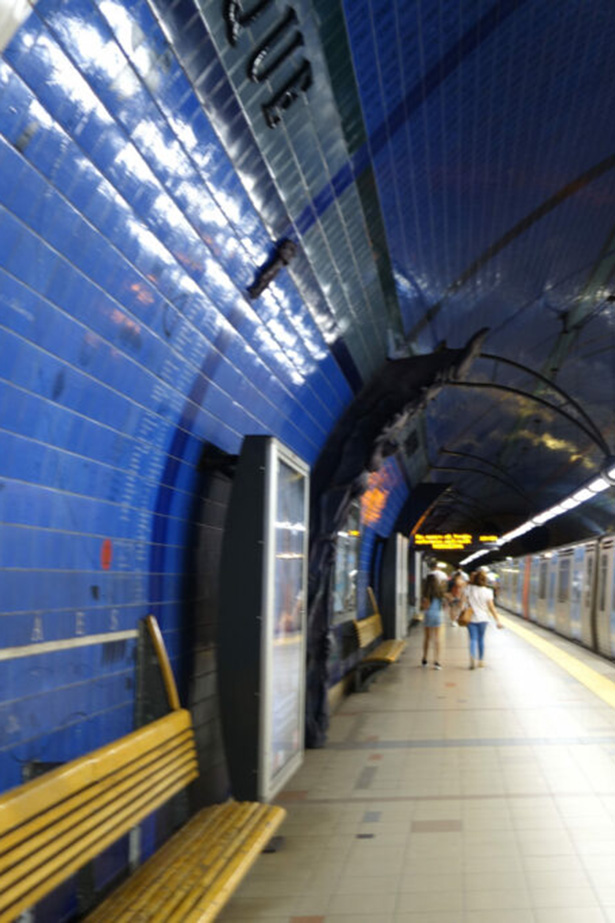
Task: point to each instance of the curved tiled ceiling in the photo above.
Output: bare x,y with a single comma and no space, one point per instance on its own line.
451,167
488,128
495,161
460,173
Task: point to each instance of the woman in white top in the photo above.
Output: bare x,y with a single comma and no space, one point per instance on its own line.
479,597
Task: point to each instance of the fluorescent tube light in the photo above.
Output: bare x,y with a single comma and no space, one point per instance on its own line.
598,485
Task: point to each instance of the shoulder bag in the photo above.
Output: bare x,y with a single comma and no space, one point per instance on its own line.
465,616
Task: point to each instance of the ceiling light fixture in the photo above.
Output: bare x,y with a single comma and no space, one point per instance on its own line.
587,492
598,485
473,557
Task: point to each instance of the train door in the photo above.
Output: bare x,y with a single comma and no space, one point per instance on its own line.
562,596
588,627
604,598
576,591
540,602
534,587
513,596
508,573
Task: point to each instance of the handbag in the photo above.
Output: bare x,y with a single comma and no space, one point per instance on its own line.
465,616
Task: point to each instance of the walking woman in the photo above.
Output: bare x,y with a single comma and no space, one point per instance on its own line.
431,604
479,597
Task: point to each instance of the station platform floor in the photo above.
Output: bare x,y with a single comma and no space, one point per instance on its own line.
455,796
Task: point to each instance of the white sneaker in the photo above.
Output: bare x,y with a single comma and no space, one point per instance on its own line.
472,663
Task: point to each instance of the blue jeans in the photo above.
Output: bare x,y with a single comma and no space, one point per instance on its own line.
477,639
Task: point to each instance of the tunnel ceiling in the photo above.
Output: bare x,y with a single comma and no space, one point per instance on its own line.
495,173
437,168
460,167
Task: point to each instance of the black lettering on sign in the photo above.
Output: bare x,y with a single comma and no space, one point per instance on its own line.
256,71
284,98
273,50
235,17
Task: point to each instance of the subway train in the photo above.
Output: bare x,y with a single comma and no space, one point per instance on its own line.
570,589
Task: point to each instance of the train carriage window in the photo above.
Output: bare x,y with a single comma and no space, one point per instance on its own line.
564,580
577,588
604,563
346,568
542,584
589,579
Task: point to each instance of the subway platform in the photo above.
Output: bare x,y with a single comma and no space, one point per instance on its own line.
455,796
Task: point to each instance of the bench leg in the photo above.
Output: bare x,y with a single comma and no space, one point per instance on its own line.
275,844
364,675
361,678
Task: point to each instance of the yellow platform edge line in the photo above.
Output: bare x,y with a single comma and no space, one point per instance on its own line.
601,686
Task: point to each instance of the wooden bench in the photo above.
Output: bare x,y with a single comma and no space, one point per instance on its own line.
53,825
369,630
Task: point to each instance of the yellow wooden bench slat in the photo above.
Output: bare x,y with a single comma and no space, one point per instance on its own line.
110,794
55,819
185,869
241,862
52,826
157,864
163,876
368,629
163,879
21,804
31,812
53,871
205,877
109,825
192,876
388,651
211,889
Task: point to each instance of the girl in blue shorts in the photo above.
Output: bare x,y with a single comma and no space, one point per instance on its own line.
431,605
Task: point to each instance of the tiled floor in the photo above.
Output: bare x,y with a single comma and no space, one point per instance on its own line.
458,796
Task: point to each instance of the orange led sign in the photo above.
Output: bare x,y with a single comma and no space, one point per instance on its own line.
449,541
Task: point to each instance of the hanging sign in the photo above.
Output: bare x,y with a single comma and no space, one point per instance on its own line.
448,541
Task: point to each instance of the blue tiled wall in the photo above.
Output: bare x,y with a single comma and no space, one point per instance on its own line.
127,344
